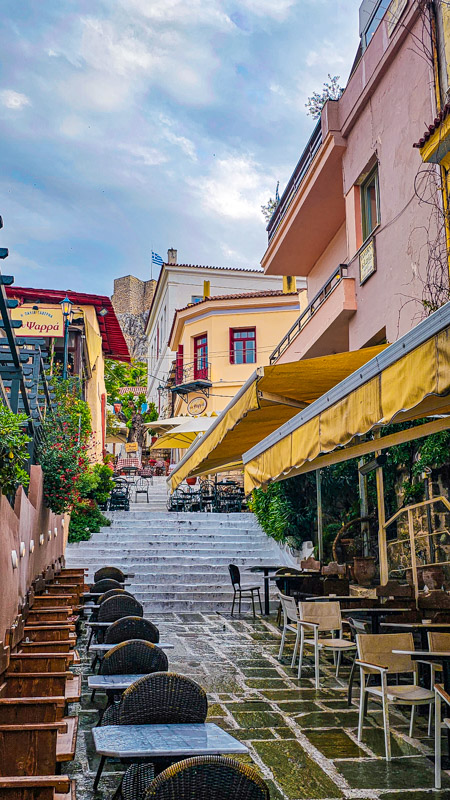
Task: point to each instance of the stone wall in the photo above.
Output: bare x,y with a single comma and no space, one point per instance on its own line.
132,299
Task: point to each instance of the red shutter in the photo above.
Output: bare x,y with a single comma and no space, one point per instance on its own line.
179,364
231,346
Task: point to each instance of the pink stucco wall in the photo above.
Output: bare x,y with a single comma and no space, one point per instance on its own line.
381,113
25,522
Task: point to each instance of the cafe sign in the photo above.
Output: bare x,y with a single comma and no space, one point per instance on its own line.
39,320
196,406
367,261
131,447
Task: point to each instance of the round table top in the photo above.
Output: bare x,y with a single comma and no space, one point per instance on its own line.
262,567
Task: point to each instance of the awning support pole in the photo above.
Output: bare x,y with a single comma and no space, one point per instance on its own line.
319,515
413,553
382,547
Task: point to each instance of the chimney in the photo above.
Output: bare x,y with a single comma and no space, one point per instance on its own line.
172,256
206,289
289,284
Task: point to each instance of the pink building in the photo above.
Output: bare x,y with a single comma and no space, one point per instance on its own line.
349,219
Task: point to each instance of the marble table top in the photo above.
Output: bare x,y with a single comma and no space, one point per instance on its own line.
103,648
145,741
112,681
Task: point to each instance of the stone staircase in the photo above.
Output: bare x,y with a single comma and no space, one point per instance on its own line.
180,561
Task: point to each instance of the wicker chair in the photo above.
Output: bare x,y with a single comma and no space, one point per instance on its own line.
119,606
126,629
136,657
110,572
112,593
100,587
131,628
203,778
163,697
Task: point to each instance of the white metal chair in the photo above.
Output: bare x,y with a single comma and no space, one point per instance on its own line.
437,642
315,618
376,658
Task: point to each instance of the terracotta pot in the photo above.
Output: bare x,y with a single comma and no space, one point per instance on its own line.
191,481
433,577
364,569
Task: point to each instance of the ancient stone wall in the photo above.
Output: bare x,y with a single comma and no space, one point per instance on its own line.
132,299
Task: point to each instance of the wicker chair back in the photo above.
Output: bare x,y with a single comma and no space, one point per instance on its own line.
206,777
119,606
105,585
132,628
134,658
114,593
114,573
164,697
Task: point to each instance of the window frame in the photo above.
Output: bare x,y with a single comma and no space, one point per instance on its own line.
367,224
246,350
201,372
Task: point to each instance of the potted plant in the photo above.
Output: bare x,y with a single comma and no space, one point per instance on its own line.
191,481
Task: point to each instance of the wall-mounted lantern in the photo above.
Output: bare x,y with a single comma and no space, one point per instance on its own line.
31,545
14,559
22,549
49,536
56,532
41,539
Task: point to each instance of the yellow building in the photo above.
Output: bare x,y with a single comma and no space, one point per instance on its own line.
219,342
94,334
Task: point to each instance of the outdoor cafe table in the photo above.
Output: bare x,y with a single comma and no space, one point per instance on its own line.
156,741
422,627
265,568
108,683
376,613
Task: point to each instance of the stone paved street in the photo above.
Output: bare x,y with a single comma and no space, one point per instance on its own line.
303,742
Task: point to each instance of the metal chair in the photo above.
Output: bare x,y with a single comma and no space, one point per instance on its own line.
163,697
242,591
114,573
207,777
357,626
316,618
141,487
375,656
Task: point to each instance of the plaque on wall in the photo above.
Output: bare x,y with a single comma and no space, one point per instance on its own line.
196,406
367,261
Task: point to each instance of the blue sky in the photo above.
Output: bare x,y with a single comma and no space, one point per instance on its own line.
128,125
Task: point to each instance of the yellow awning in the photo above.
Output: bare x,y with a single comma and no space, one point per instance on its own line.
183,435
410,380
272,395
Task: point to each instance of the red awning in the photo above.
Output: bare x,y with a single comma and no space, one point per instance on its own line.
114,345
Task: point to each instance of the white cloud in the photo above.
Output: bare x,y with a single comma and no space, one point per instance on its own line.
148,156
278,9
329,56
14,100
236,188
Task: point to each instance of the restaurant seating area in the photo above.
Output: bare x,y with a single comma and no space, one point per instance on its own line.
221,498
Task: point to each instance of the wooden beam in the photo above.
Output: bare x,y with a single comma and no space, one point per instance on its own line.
280,399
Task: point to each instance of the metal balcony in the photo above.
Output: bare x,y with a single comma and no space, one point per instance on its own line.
193,377
309,311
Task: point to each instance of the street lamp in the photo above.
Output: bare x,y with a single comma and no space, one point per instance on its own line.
66,307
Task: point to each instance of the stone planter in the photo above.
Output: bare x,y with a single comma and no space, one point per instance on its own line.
364,569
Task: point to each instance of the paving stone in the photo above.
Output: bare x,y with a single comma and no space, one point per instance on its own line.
258,719
401,773
295,772
328,719
335,743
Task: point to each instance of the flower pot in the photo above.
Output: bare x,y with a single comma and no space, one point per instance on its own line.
364,569
191,481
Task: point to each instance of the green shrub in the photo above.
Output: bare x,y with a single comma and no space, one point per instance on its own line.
13,450
86,519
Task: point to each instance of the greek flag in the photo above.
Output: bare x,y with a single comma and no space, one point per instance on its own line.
156,259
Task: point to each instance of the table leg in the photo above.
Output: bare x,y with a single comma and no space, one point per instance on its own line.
266,593
437,741
375,623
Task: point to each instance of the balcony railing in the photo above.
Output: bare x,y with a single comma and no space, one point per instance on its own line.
309,311
193,376
295,180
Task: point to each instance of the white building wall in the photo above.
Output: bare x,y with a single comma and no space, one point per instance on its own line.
175,290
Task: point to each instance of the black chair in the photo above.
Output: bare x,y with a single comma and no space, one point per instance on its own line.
127,629
207,777
114,573
119,500
104,585
207,496
115,608
160,698
141,487
242,591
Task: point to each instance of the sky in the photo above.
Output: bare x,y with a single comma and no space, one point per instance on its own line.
132,125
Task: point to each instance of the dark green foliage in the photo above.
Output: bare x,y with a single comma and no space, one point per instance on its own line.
86,518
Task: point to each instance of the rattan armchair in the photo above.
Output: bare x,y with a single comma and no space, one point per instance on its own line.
112,593
204,778
163,697
109,572
104,585
119,606
135,657
131,628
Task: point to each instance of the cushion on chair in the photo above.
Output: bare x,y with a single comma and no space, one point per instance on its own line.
407,693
